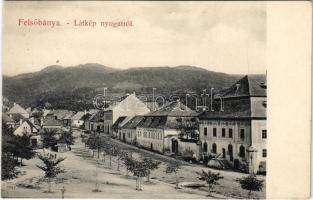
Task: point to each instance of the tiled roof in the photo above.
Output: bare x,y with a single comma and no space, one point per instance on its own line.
249,85
17,117
51,122
133,122
6,118
161,122
118,122
86,117
17,109
78,115
175,108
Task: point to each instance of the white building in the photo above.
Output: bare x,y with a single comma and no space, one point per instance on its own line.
76,120
237,133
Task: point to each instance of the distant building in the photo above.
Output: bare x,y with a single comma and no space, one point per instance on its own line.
238,133
8,120
77,119
129,105
51,123
27,127
17,109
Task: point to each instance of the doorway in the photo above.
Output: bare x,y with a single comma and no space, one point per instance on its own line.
174,146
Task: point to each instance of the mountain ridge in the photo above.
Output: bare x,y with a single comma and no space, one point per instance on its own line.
75,86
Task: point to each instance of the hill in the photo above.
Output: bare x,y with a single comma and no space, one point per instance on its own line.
74,87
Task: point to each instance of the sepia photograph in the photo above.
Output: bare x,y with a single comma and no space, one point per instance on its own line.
133,100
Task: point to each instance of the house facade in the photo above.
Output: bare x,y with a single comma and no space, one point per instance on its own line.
77,119
161,130
237,133
127,132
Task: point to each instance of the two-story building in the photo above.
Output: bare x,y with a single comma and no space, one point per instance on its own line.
236,130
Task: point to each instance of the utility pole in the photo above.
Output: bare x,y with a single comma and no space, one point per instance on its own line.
104,103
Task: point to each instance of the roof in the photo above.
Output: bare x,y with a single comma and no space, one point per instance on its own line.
175,108
6,118
17,109
60,114
78,115
121,121
69,115
168,122
17,117
246,99
118,122
33,126
51,122
97,117
86,117
133,122
248,86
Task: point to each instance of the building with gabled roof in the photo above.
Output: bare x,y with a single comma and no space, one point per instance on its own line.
17,109
27,127
51,123
128,105
236,127
76,119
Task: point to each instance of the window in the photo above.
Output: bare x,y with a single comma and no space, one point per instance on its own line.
214,132
264,153
213,148
264,134
230,133
205,131
242,134
223,132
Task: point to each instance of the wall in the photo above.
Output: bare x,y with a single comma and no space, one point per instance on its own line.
257,141
24,127
224,142
77,123
148,136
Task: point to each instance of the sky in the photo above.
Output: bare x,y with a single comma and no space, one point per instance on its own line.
223,36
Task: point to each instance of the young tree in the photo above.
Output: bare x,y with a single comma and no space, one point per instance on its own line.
49,138
111,150
50,168
8,167
251,183
68,137
210,178
23,148
128,162
120,156
174,168
151,165
139,169
8,140
95,142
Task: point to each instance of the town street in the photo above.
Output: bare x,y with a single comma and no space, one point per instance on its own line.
83,171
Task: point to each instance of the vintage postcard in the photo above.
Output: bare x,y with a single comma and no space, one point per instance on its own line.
161,100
